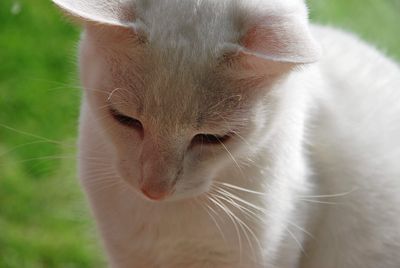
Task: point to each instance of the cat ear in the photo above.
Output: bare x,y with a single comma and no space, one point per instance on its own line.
107,12
285,39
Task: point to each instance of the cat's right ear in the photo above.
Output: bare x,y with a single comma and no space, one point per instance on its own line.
103,12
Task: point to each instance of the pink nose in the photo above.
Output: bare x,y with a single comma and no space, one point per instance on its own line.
154,193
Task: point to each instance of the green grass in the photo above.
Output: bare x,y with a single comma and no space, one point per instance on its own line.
377,21
44,219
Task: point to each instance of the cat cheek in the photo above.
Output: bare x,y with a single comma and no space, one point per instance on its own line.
128,171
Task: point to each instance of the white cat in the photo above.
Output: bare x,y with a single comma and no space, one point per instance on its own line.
216,134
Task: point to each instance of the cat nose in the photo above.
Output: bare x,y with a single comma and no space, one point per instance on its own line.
154,195
154,191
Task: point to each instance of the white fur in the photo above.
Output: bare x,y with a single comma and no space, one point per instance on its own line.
318,148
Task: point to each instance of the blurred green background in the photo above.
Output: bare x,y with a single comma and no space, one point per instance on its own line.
44,219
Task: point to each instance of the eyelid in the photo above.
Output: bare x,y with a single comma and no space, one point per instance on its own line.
210,139
126,120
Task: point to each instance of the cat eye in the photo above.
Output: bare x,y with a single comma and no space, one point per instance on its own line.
209,139
126,120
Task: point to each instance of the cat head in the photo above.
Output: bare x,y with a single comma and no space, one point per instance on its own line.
183,89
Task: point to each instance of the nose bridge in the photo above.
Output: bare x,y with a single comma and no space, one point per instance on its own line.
170,101
159,153
160,164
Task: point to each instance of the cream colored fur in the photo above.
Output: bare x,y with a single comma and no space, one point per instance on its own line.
311,176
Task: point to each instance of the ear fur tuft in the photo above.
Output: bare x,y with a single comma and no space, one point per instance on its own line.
112,12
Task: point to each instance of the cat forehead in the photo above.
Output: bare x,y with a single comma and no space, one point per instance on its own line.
170,96
195,30
202,28
275,30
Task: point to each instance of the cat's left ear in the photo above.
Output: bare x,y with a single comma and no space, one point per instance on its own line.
281,38
104,12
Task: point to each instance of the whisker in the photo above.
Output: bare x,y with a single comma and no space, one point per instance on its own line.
222,191
101,180
265,212
304,198
232,220
21,146
97,172
297,241
60,157
30,134
240,188
108,105
244,227
205,207
329,195
233,159
244,210
262,210
240,137
108,185
319,202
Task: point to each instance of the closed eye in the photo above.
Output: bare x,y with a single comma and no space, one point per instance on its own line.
209,139
126,120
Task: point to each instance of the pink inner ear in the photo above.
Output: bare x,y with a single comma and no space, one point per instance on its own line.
281,39
256,35
267,41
